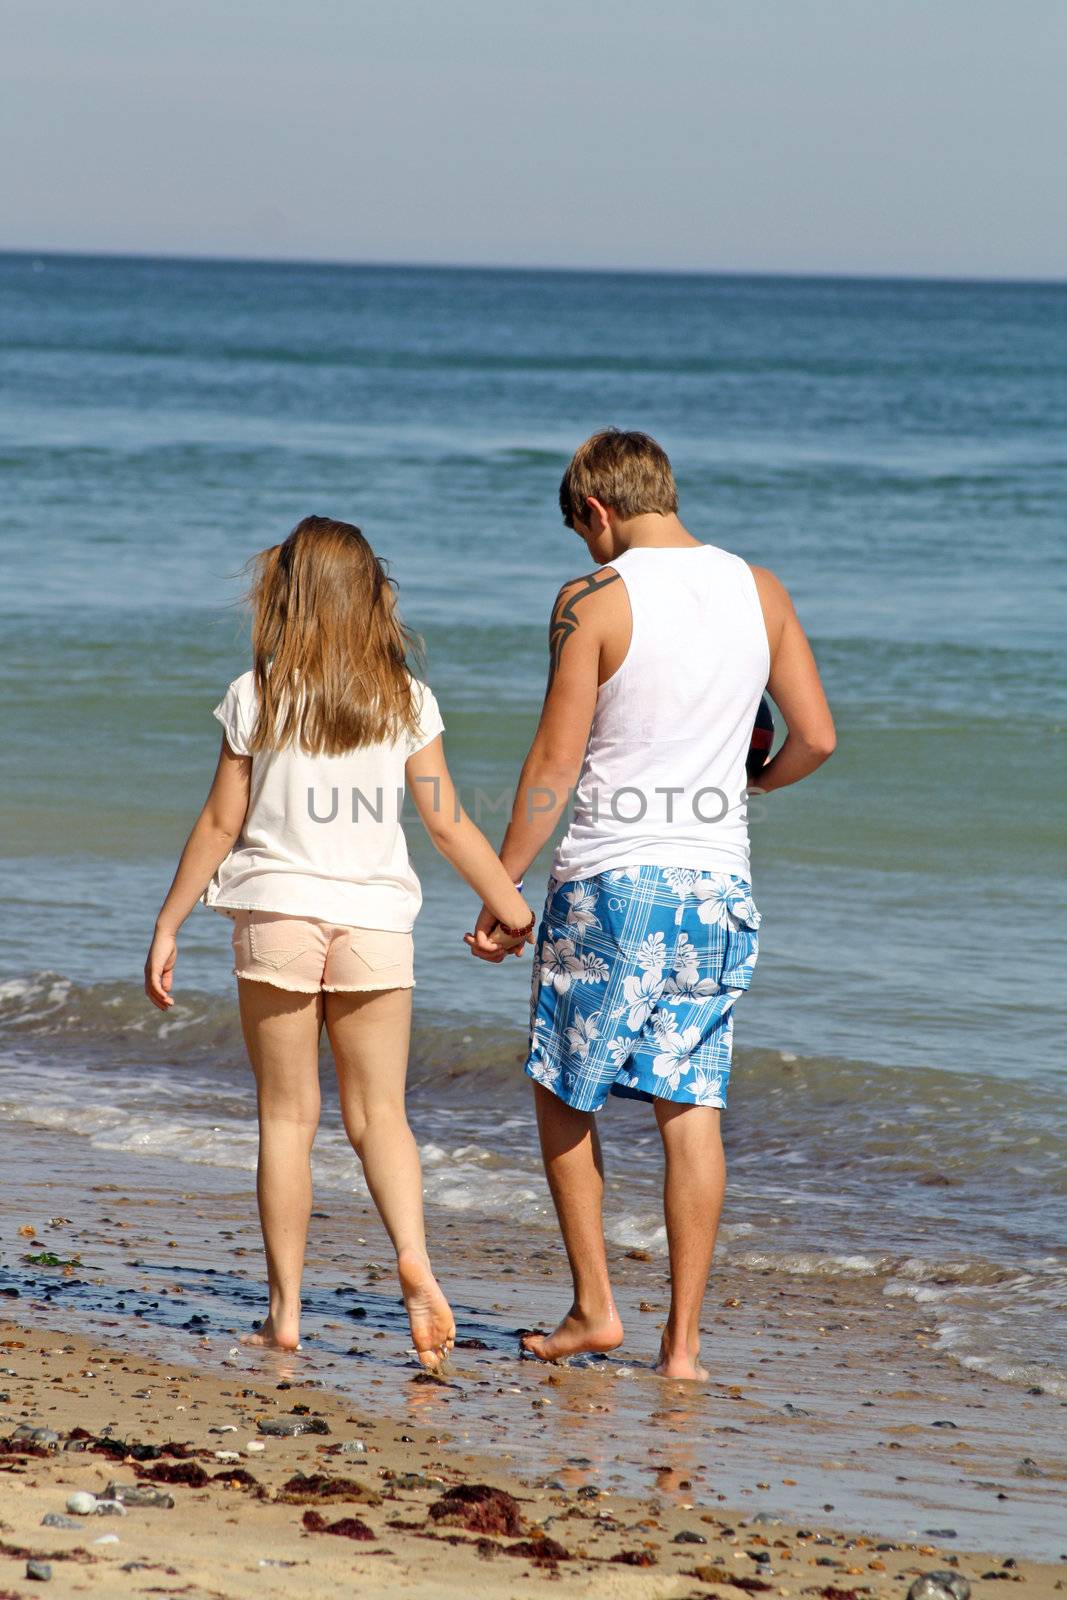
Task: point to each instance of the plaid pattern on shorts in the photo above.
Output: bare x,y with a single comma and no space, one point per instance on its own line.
636,972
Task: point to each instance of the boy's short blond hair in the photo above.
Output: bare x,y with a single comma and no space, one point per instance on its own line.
629,472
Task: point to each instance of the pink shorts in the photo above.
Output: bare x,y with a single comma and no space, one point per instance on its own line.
307,955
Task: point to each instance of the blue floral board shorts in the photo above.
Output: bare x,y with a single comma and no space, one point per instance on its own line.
636,972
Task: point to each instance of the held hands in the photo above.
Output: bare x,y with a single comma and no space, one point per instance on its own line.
159,970
489,942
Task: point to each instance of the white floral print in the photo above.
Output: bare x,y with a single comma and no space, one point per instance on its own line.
559,964
642,995
636,977
653,953
714,896
542,1071
674,1055
619,1050
581,1033
581,915
686,984
706,1087
594,968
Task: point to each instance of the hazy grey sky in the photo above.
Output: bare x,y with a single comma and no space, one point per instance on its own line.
795,135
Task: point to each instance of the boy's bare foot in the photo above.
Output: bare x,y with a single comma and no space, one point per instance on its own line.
677,1361
433,1327
576,1335
280,1334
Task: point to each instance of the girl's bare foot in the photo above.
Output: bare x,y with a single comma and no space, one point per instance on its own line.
680,1361
433,1327
576,1335
276,1333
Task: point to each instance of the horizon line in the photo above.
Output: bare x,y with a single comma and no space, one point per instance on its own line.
840,275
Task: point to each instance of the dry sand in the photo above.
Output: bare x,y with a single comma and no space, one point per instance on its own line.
249,1528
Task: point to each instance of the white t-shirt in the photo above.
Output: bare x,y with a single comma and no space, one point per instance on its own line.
323,835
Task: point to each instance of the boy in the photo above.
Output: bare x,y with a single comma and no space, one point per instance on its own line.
658,661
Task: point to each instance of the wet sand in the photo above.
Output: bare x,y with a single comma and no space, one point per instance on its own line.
391,1506
829,1406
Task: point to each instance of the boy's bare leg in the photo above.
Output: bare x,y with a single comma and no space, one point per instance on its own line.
693,1190
575,1171
281,1032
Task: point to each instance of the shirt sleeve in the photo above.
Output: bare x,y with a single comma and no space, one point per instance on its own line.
231,712
430,720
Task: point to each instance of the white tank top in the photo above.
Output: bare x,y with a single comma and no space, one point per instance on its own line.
663,779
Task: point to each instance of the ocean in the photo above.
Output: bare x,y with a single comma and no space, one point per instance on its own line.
896,451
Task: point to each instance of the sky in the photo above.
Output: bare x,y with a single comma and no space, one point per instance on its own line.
842,136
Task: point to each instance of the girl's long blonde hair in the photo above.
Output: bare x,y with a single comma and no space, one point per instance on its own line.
329,651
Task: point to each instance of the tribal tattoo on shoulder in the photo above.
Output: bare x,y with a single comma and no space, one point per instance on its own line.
565,619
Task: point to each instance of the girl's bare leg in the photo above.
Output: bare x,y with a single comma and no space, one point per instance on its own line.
369,1034
281,1032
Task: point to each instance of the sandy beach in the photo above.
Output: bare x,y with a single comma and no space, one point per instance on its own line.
393,1506
830,1410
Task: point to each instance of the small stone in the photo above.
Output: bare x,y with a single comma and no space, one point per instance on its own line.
108,1538
940,1586
106,1507
41,1570
44,1436
939,1533
227,1455
944,1423
688,1536
292,1427
56,1519
81,1503
353,1447
139,1494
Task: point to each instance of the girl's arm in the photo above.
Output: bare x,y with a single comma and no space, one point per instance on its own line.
213,836
463,845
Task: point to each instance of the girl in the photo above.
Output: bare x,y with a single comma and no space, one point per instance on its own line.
300,841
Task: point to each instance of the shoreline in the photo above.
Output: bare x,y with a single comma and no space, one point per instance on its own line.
829,1401
242,1523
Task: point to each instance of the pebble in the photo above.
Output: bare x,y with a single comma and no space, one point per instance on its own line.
229,1428
227,1455
81,1503
56,1519
138,1494
45,1436
940,1586
41,1570
939,1533
353,1447
107,1538
292,1427
688,1536
255,1444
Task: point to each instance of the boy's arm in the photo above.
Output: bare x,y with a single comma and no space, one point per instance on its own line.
795,687
214,834
555,758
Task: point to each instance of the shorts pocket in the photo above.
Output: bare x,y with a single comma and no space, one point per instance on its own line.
742,940
380,949
275,941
